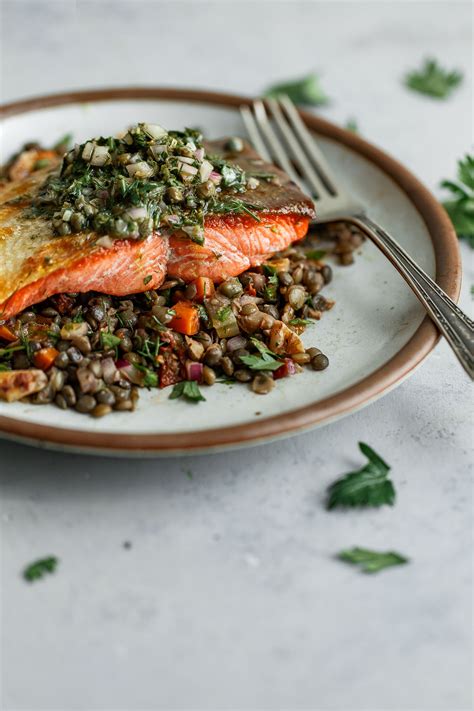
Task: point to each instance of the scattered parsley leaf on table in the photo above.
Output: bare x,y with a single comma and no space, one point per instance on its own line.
39,568
187,389
371,561
301,91
367,486
351,125
433,80
461,207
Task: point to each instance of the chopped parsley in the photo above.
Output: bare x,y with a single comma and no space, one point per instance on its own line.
40,568
187,389
147,279
368,486
371,561
432,80
306,90
461,206
300,321
150,379
148,179
109,341
266,360
316,254
352,125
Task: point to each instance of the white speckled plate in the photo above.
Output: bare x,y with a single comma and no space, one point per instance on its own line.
374,337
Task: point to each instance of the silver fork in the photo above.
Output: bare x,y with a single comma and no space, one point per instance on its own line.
334,203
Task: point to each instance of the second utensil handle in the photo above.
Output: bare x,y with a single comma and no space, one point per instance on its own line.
453,323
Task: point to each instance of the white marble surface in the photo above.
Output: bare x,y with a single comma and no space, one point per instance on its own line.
230,597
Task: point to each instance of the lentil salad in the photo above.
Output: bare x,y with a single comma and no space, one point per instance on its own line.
93,353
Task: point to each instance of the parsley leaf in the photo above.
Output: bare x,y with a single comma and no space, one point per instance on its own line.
371,561
433,80
299,322
151,378
367,486
265,361
39,568
147,279
461,207
187,389
315,254
302,91
351,125
109,341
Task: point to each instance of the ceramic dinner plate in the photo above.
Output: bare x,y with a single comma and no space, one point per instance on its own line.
374,337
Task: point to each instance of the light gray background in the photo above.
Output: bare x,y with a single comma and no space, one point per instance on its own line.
230,597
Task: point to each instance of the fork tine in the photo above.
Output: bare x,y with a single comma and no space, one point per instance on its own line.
306,168
274,142
254,134
310,144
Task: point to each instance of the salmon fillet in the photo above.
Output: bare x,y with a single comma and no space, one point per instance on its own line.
35,263
235,242
232,244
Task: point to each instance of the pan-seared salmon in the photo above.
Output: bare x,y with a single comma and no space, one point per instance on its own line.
36,263
232,244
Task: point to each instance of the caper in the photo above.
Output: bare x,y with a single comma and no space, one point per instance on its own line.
174,195
86,403
207,189
234,145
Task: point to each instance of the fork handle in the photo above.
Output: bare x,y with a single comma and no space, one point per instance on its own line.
453,323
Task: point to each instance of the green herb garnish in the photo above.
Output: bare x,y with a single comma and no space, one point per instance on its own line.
351,125
151,378
461,207
109,341
148,179
39,568
433,80
147,279
316,254
223,313
271,288
367,486
302,91
300,321
371,561
187,389
266,360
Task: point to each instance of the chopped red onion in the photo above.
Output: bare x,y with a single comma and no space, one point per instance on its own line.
194,370
139,170
186,159
205,170
236,342
154,130
87,151
199,154
109,370
158,149
132,374
137,213
215,177
101,156
105,241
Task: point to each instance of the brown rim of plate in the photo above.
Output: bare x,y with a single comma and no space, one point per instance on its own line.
448,276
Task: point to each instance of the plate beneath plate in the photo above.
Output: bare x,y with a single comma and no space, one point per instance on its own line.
375,335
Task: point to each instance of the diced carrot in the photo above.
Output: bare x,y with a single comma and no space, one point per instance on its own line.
204,288
186,318
7,335
45,357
